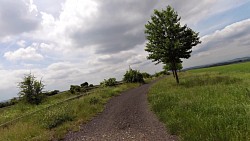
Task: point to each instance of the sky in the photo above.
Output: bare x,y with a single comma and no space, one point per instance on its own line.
68,42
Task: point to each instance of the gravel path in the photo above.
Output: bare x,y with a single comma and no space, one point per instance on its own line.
126,117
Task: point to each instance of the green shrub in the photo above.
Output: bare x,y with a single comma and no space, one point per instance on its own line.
109,82
75,89
85,84
133,76
91,85
13,101
31,89
51,93
146,75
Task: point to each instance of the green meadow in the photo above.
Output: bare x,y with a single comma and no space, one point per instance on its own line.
210,104
56,121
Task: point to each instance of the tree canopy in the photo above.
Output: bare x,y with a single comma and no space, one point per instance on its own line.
31,89
168,40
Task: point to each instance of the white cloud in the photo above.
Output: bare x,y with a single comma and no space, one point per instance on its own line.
229,43
21,43
27,54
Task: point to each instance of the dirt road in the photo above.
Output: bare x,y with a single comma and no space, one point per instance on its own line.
126,117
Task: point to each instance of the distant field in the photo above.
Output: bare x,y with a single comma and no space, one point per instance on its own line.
56,121
209,104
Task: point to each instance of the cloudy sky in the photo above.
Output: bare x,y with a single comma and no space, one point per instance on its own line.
68,42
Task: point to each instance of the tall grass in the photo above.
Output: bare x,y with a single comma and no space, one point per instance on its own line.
55,122
209,104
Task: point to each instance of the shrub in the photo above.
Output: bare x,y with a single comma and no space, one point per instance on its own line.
51,93
133,76
75,89
13,101
85,84
109,82
145,75
91,85
31,89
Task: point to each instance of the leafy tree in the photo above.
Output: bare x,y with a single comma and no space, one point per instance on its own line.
170,67
31,89
168,40
133,76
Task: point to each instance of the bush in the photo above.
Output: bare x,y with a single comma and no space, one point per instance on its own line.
109,82
91,85
157,74
51,93
75,89
85,84
133,76
31,89
13,101
146,75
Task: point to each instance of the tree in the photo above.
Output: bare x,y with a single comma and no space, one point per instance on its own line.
168,40
31,89
169,67
133,76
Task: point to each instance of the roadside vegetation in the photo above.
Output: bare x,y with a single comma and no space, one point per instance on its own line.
56,121
50,115
208,104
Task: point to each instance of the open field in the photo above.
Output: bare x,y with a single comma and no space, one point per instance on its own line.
55,122
209,104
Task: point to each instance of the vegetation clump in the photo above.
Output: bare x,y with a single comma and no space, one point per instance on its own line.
169,41
31,89
133,76
108,82
74,89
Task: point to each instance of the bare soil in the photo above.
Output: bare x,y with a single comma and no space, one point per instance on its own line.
126,117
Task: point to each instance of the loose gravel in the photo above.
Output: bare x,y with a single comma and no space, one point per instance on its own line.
126,117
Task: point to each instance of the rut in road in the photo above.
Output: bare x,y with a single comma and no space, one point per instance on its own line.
126,117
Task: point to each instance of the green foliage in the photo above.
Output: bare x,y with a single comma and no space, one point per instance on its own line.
168,40
51,93
31,89
53,123
161,73
133,76
109,82
13,101
85,84
75,89
146,75
209,104
170,67
91,85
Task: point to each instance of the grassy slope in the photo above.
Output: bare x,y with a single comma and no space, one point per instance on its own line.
56,121
209,104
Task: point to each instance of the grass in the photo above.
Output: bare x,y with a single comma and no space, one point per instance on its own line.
55,122
210,104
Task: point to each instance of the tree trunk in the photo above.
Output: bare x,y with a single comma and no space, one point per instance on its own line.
176,77
173,73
